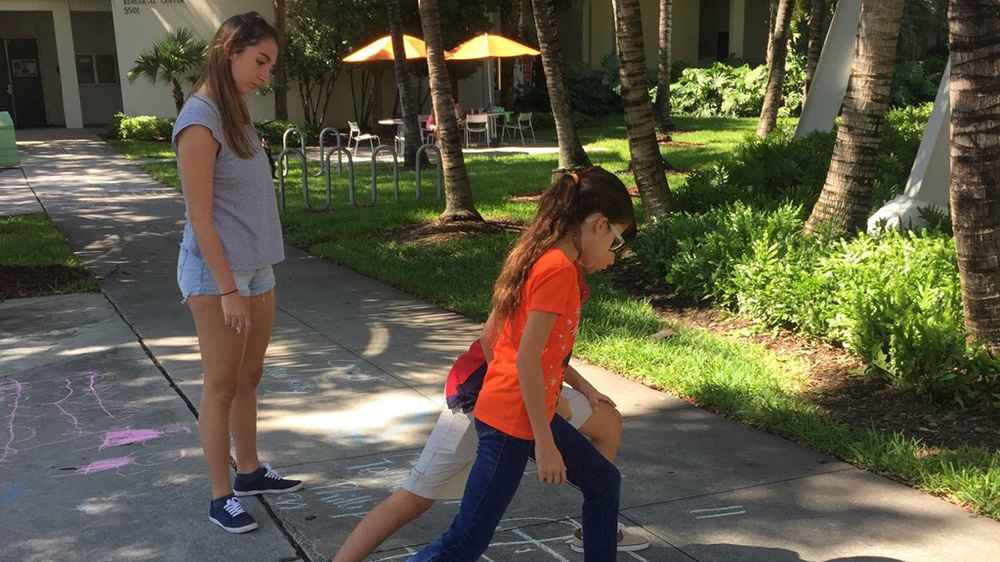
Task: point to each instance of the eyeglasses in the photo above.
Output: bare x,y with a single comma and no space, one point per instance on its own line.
619,241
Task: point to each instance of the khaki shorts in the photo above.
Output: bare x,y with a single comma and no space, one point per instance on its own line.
443,467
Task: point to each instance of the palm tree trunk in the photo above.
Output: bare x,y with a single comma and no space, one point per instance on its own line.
647,163
411,125
280,72
974,26
178,94
776,78
459,204
817,13
510,23
661,109
571,153
846,196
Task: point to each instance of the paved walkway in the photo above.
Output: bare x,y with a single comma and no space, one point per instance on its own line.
99,452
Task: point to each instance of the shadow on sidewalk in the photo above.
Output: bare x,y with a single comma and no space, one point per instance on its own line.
724,551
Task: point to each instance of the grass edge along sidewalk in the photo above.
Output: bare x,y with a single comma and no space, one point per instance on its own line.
738,379
36,261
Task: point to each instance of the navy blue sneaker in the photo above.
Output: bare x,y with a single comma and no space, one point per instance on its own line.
227,513
264,480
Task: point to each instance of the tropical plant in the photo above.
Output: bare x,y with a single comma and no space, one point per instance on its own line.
776,76
407,95
172,60
661,105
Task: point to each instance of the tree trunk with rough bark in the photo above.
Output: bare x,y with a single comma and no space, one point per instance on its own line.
846,196
571,153
510,27
280,72
817,13
776,78
647,162
408,98
459,204
974,26
661,109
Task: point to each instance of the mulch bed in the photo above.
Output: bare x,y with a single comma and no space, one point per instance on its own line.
34,281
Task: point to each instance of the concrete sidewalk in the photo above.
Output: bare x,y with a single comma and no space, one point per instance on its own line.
99,452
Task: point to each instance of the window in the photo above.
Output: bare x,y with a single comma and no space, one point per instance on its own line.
96,69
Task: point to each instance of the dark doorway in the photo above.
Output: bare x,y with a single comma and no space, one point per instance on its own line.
722,46
21,91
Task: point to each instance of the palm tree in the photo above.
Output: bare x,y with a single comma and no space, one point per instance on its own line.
510,26
817,16
571,153
647,163
661,109
172,59
280,71
776,78
974,26
846,196
408,98
459,204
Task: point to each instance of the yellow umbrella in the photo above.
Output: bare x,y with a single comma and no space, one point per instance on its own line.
381,49
487,47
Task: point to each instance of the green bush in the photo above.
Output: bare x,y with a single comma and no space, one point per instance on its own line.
916,82
275,130
722,90
140,127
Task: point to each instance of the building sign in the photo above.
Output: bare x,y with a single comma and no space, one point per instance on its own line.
24,68
133,7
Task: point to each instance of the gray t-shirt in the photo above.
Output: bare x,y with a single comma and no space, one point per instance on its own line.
244,207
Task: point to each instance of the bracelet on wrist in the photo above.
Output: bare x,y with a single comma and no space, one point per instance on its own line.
229,293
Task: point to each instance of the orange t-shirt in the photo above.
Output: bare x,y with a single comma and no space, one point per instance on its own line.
552,286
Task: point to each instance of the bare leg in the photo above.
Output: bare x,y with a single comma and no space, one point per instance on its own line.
382,521
604,429
221,355
243,415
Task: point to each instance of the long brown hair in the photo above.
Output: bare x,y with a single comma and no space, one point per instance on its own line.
234,35
561,210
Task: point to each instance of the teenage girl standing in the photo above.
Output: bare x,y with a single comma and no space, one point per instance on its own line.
231,240
532,327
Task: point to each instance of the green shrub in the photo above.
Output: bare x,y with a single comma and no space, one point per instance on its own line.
722,90
275,130
140,127
916,82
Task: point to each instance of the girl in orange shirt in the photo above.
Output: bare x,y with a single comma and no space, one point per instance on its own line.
529,334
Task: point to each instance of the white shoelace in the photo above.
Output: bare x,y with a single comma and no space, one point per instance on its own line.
271,473
233,507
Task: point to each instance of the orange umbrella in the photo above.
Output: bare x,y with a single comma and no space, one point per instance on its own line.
487,47
381,49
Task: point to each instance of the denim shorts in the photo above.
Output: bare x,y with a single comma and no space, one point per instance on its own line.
194,278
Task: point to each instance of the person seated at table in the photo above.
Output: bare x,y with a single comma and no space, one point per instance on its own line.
459,116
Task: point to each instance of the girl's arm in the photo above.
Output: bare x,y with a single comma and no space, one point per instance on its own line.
551,469
196,153
488,337
576,380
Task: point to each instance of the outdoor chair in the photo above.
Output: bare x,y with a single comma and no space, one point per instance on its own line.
477,123
357,137
523,123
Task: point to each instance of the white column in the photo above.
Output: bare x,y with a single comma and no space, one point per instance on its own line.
929,184
826,95
66,53
737,23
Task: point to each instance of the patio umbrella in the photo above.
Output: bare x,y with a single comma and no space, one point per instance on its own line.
381,49
487,46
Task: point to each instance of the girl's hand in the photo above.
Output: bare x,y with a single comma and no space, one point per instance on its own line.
236,313
596,397
551,469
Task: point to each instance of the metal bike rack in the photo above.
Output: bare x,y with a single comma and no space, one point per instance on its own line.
283,163
420,152
324,157
395,170
284,147
350,170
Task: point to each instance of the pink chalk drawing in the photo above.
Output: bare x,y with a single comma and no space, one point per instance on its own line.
93,377
128,436
118,463
18,389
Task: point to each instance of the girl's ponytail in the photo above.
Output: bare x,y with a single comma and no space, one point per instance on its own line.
561,210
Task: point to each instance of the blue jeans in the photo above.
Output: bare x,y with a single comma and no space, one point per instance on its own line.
500,462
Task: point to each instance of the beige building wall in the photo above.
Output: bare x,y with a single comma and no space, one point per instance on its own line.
99,102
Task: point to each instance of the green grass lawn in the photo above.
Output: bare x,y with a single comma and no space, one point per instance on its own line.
134,149
31,242
734,377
